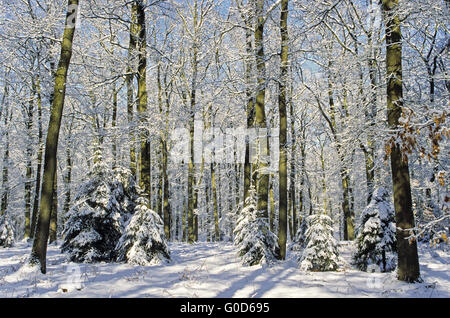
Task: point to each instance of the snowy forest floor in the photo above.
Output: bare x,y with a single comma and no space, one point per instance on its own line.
213,270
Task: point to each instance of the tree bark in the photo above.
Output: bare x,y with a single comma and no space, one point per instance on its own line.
113,126
68,181
282,104
37,191
349,232
131,73
54,212
39,250
144,155
5,172
260,115
293,172
408,261
29,167
250,102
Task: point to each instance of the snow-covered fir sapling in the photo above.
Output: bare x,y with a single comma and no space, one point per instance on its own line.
143,242
103,205
252,235
376,240
6,232
321,249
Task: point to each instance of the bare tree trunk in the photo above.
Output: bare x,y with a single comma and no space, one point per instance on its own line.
292,188
39,251
132,48
113,126
29,167
68,181
37,191
5,172
260,115
144,155
54,212
272,214
282,104
324,184
250,101
349,232
408,260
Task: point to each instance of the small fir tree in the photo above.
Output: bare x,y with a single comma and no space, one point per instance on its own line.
321,249
96,221
143,242
252,235
376,240
6,232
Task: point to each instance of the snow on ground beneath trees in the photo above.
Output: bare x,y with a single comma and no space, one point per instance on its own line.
211,270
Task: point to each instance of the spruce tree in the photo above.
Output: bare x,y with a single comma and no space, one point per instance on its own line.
376,242
103,205
252,235
321,251
6,232
143,241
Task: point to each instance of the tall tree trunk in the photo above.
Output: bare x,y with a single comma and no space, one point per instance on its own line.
371,116
282,104
5,172
184,224
370,113
68,181
260,115
408,261
39,251
191,184
250,101
37,187
324,183
192,189
209,217
54,212
144,155
113,126
166,184
212,167
29,167
272,214
293,172
349,232
131,73
163,191
215,204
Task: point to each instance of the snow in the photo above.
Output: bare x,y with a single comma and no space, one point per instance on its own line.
212,270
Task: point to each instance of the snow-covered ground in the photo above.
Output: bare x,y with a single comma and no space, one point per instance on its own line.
211,270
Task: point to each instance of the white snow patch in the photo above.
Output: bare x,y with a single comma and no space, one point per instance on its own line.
213,270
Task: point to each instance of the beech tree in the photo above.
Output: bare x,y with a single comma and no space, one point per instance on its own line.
39,251
408,260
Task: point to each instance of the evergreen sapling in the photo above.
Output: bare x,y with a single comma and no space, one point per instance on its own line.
6,232
96,221
252,235
321,249
376,239
143,242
